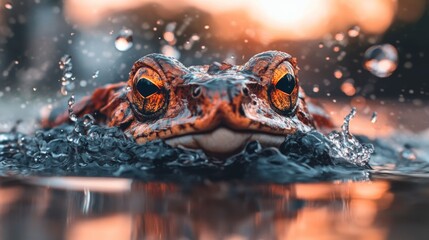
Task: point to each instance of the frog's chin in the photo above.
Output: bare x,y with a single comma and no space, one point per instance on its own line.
223,141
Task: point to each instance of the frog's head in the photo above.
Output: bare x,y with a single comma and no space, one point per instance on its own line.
218,107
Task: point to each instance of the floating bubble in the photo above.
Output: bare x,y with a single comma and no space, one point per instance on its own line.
381,60
354,31
124,41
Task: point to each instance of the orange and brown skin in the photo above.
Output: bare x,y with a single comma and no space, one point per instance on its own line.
199,99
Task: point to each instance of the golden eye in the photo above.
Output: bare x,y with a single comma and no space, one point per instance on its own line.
286,83
283,92
146,88
149,94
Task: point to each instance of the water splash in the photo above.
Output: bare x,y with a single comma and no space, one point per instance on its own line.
67,79
70,104
67,83
85,148
345,146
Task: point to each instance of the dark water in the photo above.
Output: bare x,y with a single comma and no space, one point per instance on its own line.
106,208
86,181
85,149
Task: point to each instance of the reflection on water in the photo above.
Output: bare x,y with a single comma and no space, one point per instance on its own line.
353,210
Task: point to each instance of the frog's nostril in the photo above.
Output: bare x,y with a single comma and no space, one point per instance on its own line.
241,111
245,91
196,92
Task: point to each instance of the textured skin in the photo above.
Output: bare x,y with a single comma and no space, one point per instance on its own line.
240,98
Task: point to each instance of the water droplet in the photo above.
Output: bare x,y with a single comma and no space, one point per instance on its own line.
63,91
68,74
348,88
339,37
124,41
336,49
321,45
354,31
170,51
88,120
169,37
72,115
316,88
381,60
83,83
374,117
8,5
65,61
95,75
408,65
70,86
206,27
338,74
408,154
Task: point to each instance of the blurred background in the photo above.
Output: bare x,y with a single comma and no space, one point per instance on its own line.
371,54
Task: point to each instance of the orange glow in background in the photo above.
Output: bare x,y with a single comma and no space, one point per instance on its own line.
265,20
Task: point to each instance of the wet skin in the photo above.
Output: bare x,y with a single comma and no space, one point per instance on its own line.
217,108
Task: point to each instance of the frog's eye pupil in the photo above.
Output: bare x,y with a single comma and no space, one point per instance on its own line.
146,87
286,83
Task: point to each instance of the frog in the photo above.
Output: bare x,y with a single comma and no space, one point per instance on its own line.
217,108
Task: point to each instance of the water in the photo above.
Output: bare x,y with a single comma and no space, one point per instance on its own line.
381,60
354,31
87,149
312,187
124,40
8,5
67,84
82,208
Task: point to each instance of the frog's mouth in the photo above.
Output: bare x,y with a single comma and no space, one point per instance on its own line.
224,141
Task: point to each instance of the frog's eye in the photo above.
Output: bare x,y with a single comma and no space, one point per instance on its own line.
286,84
149,94
146,88
283,92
